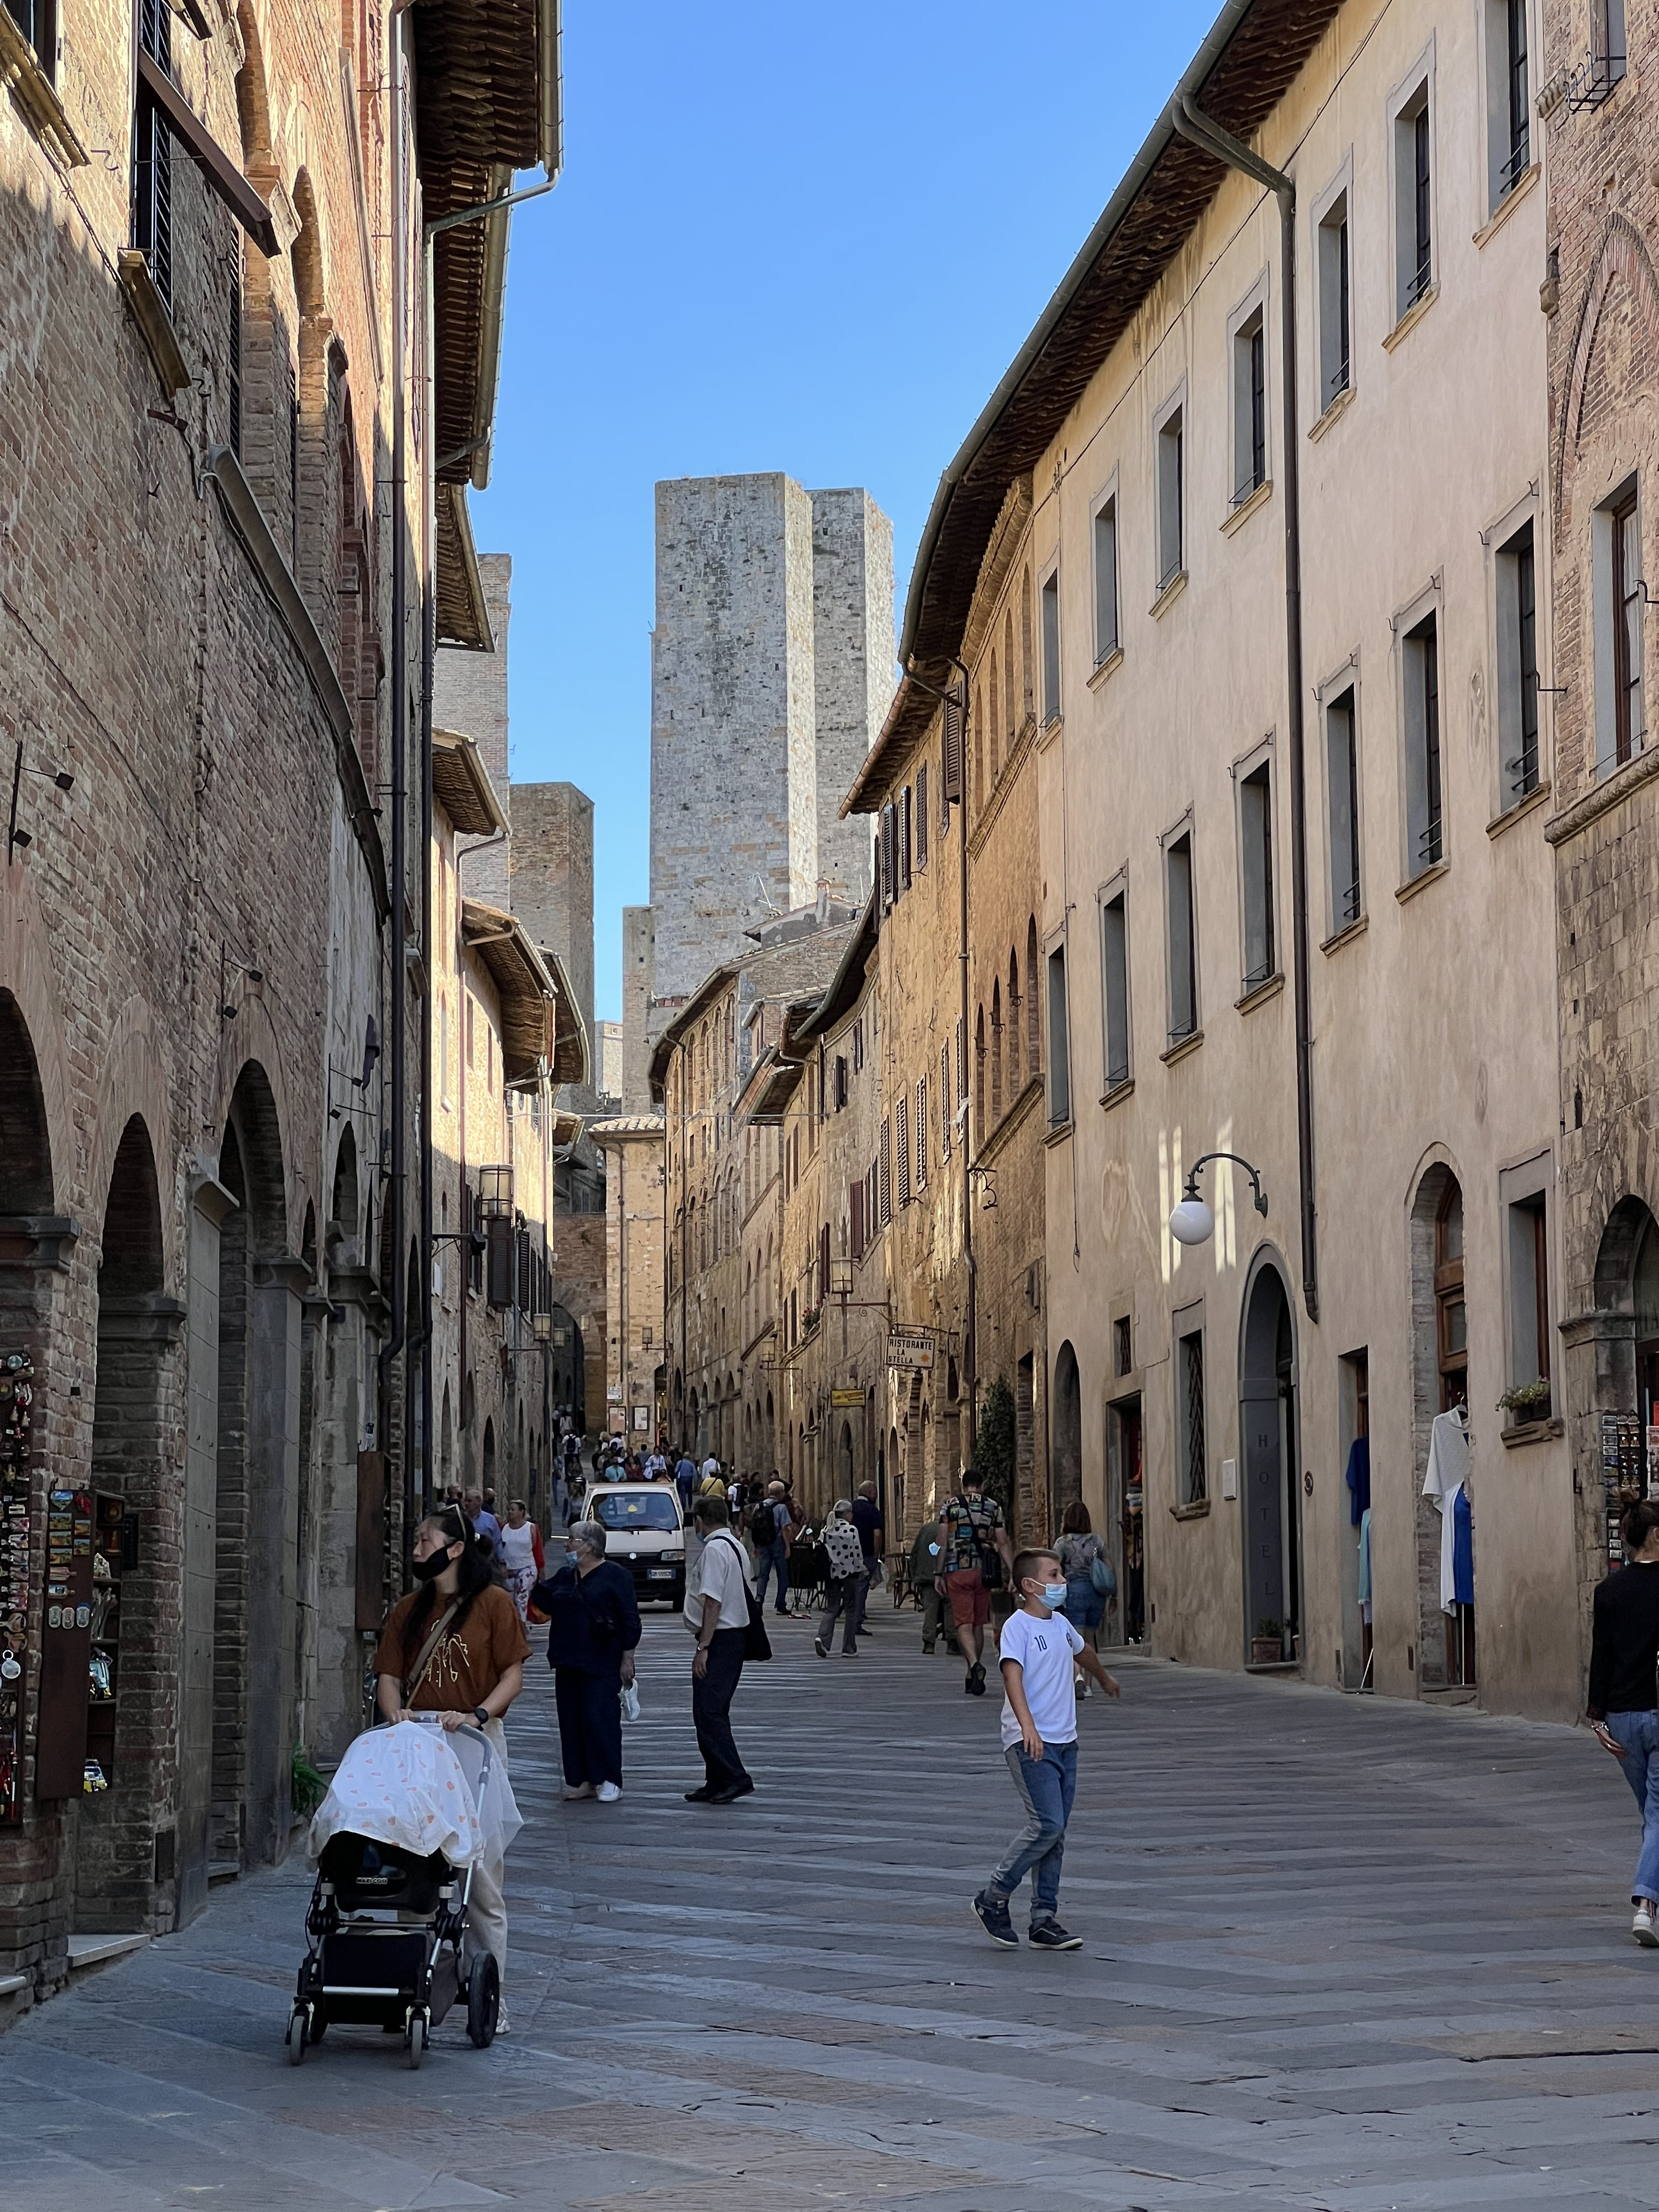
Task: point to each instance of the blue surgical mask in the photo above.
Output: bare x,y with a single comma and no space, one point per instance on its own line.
570,1559
1053,1593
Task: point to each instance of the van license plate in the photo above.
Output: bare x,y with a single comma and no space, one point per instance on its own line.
659,1574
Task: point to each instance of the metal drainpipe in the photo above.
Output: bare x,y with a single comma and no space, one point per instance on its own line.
394,1345
1208,135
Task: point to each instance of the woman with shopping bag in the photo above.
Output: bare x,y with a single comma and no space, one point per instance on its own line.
592,1628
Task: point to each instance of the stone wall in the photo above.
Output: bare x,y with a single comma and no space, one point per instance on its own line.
469,695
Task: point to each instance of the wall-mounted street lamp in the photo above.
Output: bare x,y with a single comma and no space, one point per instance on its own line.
840,1277
495,1194
541,1326
1192,1222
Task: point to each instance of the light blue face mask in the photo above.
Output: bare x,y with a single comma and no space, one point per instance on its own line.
1054,1594
571,1558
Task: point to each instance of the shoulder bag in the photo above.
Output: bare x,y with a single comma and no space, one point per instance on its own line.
757,1644
429,1652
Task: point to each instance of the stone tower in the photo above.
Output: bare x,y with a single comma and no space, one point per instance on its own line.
772,667
551,859
469,695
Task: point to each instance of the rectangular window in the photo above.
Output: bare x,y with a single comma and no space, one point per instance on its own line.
1508,107
1115,983
855,1209
1342,806
1608,19
233,360
1414,200
1517,667
443,1050
841,1081
961,1062
1190,1419
1105,581
1629,718
1255,861
152,167
1049,598
920,822
1123,1346
1249,408
902,1134
1060,1065
1420,666
922,1133
884,1165
1172,473
858,1044
904,839
943,1103
37,21
1529,1330
1335,329
1182,937
472,1028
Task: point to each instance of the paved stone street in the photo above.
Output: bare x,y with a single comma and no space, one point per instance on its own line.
1340,1953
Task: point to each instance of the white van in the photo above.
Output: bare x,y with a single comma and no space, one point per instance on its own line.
644,1532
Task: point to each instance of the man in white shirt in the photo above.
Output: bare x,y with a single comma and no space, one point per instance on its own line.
717,1590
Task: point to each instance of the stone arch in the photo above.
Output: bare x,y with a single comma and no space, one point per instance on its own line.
1033,1002
344,1206
1438,1184
487,1458
1066,1442
996,733
1027,691
1624,256
996,1050
1010,720
25,1173
253,101
1271,1507
1014,1025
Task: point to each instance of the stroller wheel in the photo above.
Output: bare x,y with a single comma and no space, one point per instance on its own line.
318,2025
415,2039
483,1997
298,2036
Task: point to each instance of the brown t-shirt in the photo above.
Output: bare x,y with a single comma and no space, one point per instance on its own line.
469,1662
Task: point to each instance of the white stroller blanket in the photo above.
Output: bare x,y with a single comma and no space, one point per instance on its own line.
405,1785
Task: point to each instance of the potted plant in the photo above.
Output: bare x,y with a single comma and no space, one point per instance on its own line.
1267,1644
1527,1402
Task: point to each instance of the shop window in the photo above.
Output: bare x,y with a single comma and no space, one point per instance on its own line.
1518,666
1106,639
1115,983
1255,861
1060,1057
1182,937
1189,1417
1050,600
1420,668
1342,803
1335,280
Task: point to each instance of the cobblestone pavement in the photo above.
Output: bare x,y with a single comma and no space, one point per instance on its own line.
1339,1954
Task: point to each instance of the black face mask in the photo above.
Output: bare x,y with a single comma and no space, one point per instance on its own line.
429,1569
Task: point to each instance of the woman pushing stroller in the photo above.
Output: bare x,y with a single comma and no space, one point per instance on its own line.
455,1646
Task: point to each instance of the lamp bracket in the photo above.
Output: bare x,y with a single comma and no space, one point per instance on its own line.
1259,1200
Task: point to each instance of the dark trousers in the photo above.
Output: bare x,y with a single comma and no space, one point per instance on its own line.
590,1725
711,1704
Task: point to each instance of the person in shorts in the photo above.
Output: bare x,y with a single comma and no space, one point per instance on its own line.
971,1537
1040,1648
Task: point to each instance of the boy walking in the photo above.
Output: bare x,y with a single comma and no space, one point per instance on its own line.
1040,1651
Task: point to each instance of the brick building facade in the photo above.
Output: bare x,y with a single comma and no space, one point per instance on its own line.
213,568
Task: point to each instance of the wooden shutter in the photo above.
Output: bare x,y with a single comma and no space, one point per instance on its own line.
943,1103
903,1135
952,763
922,1132
501,1257
855,1198
904,839
887,1167
921,817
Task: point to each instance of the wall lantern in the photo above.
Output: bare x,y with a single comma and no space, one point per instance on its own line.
542,1327
1192,1221
840,1279
495,1194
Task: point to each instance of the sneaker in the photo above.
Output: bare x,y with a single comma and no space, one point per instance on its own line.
503,2026
977,1680
850,1651
927,1649
582,1789
1048,1935
1642,1927
992,1914
820,1647
608,1792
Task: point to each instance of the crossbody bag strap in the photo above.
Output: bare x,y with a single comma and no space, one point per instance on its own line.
429,1650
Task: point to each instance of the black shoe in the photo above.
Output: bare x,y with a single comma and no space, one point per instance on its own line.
992,1914
977,1680
730,1794
928,1650
699,1796
1048,1935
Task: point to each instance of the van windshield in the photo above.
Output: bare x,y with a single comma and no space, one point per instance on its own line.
636,1508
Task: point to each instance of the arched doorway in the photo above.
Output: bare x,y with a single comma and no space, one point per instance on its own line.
486,1469
1440,1346
1065,1451
1272,1499
844,1460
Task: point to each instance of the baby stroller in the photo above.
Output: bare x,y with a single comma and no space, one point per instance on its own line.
386,1920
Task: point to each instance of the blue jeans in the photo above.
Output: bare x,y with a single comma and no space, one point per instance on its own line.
1639,1734
768,1556
1047,1787
1084,1607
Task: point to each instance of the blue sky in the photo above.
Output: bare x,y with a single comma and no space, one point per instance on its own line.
787,238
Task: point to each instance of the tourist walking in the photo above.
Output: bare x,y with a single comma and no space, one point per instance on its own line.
1039,1742
1624,1651
848,1580
868,1520
593,1631
717,1586
456,1646
973,1556
483,1522
686,1477
1090,1584
521,1554
772,1532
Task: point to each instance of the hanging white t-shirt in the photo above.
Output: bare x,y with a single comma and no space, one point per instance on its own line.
1447,1471
1044,1649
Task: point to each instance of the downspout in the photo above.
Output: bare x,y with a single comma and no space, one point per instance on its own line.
394,1345
1202,132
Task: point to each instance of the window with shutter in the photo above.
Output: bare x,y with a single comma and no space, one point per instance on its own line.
922,1133
904,839
503,1254
901,1132
888,869
855,1197
951,780
921,817
885,1164
944,1102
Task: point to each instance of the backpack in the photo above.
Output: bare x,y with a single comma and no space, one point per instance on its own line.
990,1559
763,1523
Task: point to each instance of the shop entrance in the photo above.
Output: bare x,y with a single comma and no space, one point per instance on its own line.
1125,1520
1272,1502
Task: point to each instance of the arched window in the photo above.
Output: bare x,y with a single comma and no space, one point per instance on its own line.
976,746
1025,641
1451,1313
1033,1002
996,1052
1013,1027
996,741
978,1079
1009,721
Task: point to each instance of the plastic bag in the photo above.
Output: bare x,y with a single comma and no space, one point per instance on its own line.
631,1702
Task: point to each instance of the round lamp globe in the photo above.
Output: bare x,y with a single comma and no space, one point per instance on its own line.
1192,1222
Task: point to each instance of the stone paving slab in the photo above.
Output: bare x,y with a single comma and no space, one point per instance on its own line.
1340,1953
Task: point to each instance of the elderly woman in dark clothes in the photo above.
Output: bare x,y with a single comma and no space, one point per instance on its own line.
593,1627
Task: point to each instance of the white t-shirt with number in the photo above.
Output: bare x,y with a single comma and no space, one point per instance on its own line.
1044,1649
